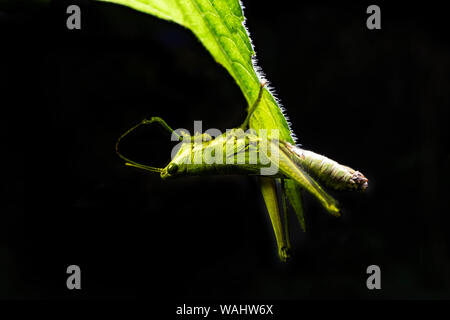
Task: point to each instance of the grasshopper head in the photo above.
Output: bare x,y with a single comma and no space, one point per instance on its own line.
172,170
177,166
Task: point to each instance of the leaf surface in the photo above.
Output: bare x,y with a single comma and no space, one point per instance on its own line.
219,25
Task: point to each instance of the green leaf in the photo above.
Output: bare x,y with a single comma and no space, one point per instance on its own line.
219,25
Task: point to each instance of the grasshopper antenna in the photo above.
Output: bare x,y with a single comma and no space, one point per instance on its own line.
253,107
131,163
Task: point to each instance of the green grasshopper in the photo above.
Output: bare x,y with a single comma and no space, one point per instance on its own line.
297,169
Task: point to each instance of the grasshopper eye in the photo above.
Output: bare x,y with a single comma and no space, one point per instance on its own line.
172,168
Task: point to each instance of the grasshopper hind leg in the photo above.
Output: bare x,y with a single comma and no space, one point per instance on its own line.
294,194
287,251
269,192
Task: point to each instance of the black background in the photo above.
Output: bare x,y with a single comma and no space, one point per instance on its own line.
376,100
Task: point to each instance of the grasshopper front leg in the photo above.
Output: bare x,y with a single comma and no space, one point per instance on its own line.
252,108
